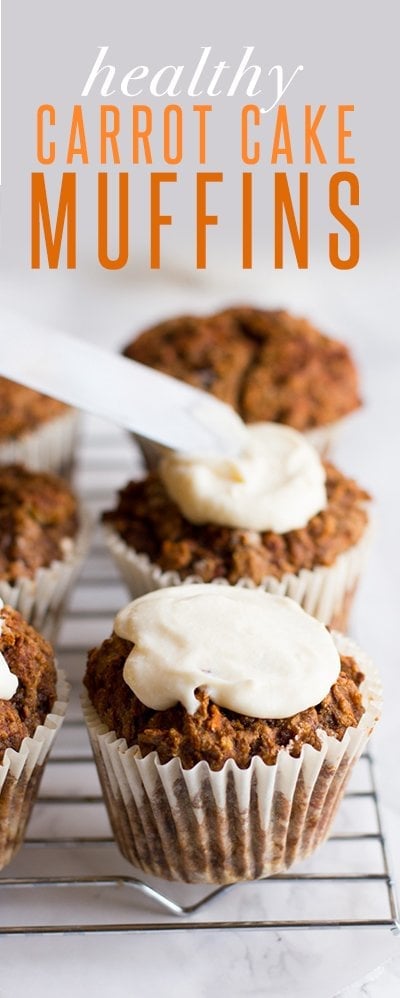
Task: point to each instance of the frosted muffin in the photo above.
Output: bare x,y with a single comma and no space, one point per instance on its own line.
276,517
35,430
33,700
268,365
44,536
224,724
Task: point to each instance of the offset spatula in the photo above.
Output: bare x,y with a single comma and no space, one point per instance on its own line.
151,404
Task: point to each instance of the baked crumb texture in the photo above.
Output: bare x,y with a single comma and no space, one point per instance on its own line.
150,523
23,410
31,659
267,364
37,513
213,733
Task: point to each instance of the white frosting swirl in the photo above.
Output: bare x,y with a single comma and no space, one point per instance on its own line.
277,482
8,682
254,653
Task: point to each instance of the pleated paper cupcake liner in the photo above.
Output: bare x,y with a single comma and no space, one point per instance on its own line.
324,438
49,447
20,775
199,826
326,592
40,599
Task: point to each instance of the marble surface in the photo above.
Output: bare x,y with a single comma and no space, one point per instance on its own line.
312,963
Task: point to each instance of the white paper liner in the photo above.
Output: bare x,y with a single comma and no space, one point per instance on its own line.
325,592
39,599
49,447
21,772
324,438
201,826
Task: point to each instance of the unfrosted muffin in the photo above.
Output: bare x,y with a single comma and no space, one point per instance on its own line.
268,365
35,430
43,538
32,704
224,724
279,518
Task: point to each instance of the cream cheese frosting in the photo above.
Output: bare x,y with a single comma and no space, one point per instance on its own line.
8,682
276,483
254,653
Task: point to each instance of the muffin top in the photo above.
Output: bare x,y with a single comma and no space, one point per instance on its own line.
149,521
38,521
31,660
172,688
23,410
275,481
269,365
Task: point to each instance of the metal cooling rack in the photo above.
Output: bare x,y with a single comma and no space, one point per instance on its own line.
69,875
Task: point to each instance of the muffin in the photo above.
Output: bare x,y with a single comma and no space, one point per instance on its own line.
44,536
224,724
33,700
277,518
35,430
268,365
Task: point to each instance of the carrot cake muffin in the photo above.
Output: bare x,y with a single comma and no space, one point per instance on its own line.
34,429
224,723
268,365
30,660
42,540
32,703
276,517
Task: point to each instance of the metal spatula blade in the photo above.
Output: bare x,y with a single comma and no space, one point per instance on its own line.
151,404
